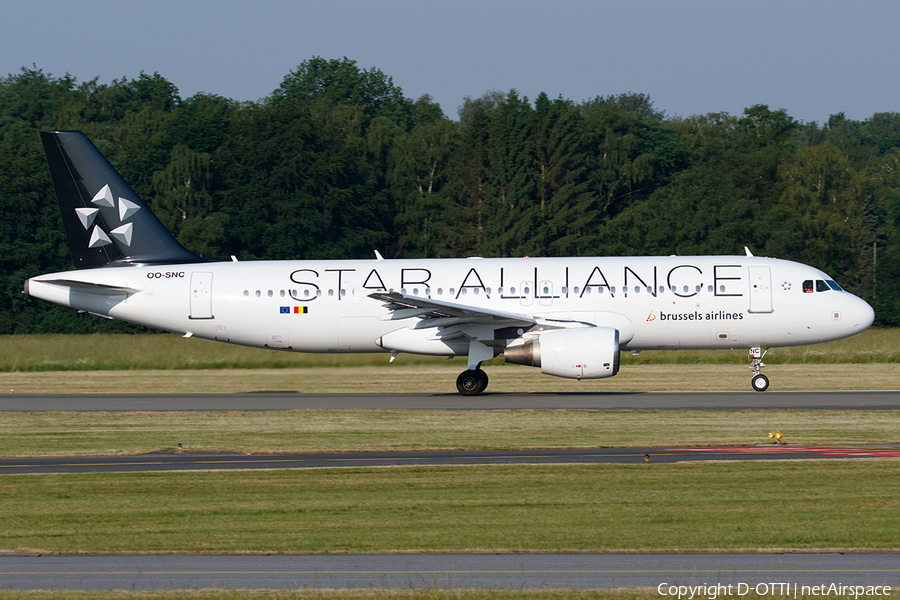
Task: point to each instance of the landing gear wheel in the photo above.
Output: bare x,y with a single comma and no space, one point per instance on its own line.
472,382
760,383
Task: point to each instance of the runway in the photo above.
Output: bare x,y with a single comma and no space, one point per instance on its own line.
455,571
213,462
277,401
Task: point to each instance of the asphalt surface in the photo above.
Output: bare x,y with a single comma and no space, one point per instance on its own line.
849,400
188,461
779,572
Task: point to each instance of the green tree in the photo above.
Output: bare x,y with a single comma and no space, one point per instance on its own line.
698,213
627,156
826,207
568,212
337,82
420,163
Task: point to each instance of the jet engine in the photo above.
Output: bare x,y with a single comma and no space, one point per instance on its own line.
582,353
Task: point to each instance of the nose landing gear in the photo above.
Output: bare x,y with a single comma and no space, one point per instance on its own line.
760,382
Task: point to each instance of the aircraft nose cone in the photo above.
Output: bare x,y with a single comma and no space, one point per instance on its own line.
861,314
868,315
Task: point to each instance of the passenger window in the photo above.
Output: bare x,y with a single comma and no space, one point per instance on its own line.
270,293
258,293
246,293
281,292
821,286
330,293
808,286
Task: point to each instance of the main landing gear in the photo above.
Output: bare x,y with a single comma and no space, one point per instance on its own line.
471,382
760,382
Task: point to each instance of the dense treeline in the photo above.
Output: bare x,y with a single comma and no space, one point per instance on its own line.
336,163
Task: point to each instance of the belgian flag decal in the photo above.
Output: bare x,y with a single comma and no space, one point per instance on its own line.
297,310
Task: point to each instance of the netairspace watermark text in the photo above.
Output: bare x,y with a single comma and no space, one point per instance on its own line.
795,590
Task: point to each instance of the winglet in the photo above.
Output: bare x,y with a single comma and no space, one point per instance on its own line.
747,250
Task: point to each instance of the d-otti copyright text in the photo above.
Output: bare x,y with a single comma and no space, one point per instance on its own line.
711,592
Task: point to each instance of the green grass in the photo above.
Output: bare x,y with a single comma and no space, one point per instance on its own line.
41,353
439,379
728,506
36,434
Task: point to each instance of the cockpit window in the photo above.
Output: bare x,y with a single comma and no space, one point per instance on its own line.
820,286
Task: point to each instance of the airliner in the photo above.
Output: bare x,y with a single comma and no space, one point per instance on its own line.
570,317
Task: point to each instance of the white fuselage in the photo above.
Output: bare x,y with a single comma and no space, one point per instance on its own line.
324,306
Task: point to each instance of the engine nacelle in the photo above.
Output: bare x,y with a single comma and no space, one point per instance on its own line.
582,353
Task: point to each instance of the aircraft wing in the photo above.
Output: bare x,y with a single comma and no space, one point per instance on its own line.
448,313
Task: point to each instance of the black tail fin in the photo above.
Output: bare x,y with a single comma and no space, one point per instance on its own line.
105,221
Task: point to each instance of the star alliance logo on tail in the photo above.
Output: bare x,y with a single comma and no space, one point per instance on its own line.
105,198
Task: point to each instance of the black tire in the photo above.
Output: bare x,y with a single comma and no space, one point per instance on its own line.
760,383
471,383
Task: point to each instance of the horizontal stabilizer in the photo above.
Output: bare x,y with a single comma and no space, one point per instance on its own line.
87,287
